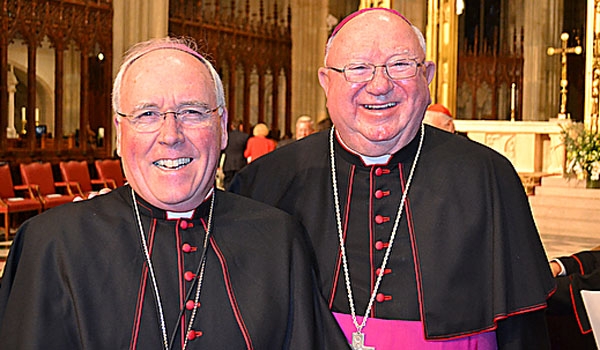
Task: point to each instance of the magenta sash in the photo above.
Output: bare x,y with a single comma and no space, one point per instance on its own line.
399,334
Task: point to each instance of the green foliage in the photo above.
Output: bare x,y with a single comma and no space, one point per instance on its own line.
583,150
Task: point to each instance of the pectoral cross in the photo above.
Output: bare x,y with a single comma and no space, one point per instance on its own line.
358,342
563,51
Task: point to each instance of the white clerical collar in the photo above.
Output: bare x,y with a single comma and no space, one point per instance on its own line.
174,215
367,160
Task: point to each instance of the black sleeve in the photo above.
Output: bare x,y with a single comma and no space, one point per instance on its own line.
527,331
586,260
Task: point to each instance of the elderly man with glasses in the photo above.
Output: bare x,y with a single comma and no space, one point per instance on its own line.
424,239
166,262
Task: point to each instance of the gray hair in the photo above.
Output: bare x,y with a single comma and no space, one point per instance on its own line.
304,119
188,45
416,30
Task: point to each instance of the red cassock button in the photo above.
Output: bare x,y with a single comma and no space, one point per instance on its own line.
190,305
385,272
382,297
381,171
379,194
380,219
379,245
193,334
184,225
189,276
186,248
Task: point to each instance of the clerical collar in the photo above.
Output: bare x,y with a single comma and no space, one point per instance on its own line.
201,211
367,160
174,215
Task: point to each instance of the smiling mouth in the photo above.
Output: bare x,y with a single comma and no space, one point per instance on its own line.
380,107
172,164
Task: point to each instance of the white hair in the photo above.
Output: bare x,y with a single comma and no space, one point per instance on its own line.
182,44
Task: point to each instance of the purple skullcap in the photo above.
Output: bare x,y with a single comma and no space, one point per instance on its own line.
167,46
354,14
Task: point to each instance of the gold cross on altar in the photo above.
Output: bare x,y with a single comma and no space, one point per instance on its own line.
563,51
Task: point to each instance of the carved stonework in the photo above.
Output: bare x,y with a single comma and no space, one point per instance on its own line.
258,41
485,78
88,25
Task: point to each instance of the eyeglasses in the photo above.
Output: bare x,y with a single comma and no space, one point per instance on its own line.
396,69
151,120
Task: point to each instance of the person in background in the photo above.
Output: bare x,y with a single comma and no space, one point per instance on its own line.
167,261
234,152
258,145
423,240
304,127
439,116
567,315
324,124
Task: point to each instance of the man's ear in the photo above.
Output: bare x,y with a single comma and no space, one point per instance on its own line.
429,71
118,128
224,134
324,79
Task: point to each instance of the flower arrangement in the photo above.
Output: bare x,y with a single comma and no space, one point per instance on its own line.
583,151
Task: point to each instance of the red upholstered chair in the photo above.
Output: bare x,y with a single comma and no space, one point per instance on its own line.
10,203
77,176
110,171
39,176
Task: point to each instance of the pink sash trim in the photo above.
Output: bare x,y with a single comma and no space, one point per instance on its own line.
399,334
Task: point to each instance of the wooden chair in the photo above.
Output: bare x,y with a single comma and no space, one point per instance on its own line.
110,171
77,176
10,203
39,176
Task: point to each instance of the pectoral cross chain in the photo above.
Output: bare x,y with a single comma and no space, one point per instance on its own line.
358,342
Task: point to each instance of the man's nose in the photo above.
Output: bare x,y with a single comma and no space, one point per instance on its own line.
381,82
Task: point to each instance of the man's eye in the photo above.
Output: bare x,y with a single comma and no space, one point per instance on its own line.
400,64
357,68
147,115
192,112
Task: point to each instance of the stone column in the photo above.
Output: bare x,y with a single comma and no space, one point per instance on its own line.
592,62
442,48
135,21
541,73
11,132
309,35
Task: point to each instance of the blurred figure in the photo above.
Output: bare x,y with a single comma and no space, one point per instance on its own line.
259,145
304,127
324,124
234,152
439,116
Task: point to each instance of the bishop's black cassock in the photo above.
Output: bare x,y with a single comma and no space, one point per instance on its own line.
76,278
467,258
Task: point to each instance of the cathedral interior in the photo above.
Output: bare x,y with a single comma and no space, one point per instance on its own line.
509,71
58,59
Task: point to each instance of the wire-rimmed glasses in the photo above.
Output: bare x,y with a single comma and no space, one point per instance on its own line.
149,120
396,68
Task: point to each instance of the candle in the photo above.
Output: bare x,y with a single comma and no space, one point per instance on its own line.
37,115
513,96
23,114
